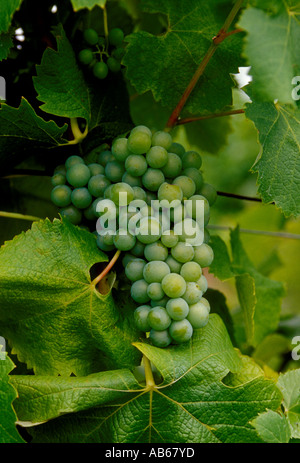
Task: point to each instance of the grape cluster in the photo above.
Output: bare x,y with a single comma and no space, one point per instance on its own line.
144,194
103,54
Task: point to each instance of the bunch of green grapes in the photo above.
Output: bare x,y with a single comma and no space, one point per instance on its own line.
102,54
145,194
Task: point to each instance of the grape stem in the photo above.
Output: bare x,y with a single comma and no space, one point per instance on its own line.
105,25
107,268
148,373
78,135
292,236
187,120
216,41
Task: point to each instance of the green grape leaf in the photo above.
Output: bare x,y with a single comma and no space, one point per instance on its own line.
259,296
78,4
191,404
53,316
275,56
272,427
289,385
60,83
5,45
278,166
8,418
22,131
156,62
7,10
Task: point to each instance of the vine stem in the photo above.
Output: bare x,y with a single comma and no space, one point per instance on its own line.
187,120
216,41
148,373
107,268
15,215
78,135
292,236
105,25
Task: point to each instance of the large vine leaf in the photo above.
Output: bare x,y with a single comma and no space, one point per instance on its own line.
278,166
259,296
5,45
166,63
192,404
22,131
7,10
78,4
8,418
60,83
50,311
275,56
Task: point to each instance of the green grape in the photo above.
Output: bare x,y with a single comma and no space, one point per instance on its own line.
139,193
58,179
157,157
90,36
181,331
98,184
173,285
114,171
138,291
177,148
206,238
120,150
118,53
204,255
136,165
186,184
183,252
155,271
202,282
140,317
193,208
191,159
152,179
105,206
142,128
61,195
134,269
78,175
193,293
105,157
150,197
155,251
138,249
161,302
174,265
116,36
155,291
149,230
191,271
131,180
139,142
206,303
103,245
159,319
96,169
173,166
195,175
123,240
100,70
121,193
72,160
81,198
169,239
177,308
89,212
160,338
189,231
61,169
162,139
169,192
72,214
209,192
127,257
198,315
113,65
107,191
86,56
